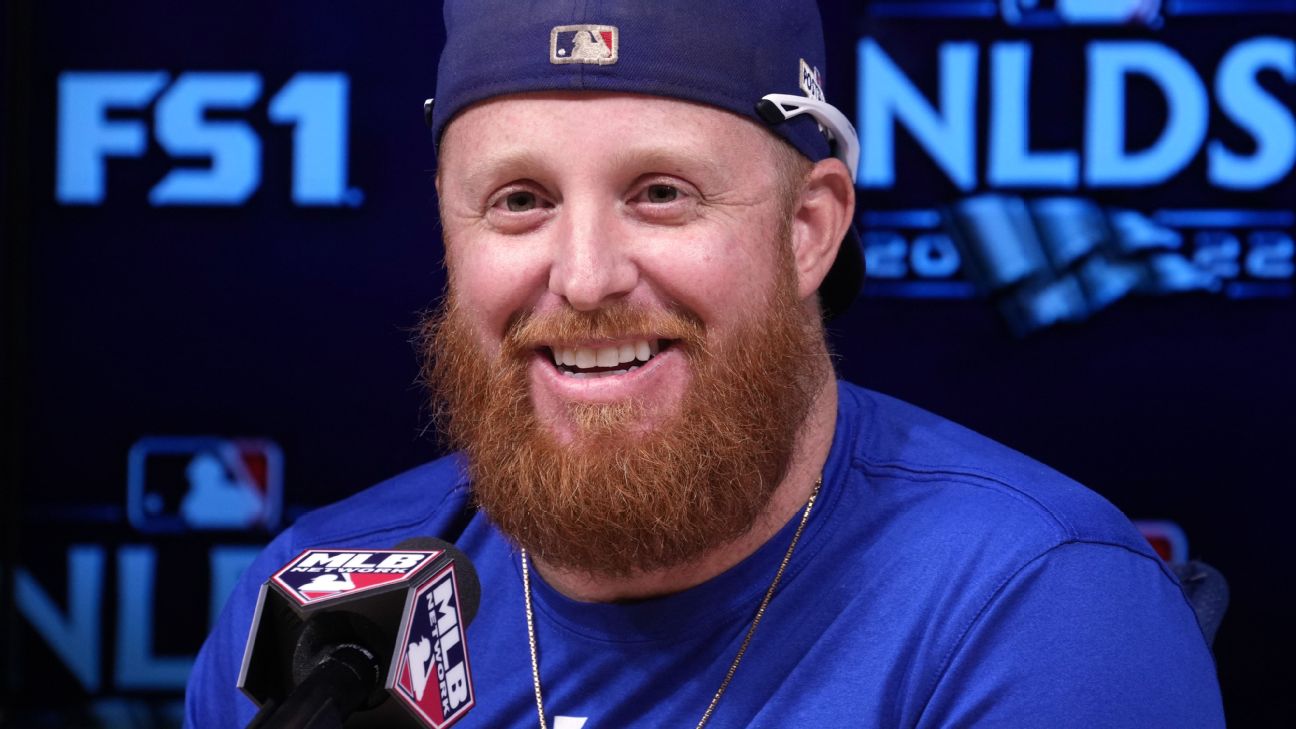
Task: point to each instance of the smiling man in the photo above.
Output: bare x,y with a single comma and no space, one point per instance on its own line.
661,385
679,515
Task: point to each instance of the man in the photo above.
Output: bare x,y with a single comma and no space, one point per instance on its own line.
678,515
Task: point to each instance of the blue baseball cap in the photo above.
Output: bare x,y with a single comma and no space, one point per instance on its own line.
760,59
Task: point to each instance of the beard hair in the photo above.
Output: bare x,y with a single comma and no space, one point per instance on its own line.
618,497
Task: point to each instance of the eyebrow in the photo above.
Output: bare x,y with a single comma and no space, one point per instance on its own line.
521,161
685,158
509,162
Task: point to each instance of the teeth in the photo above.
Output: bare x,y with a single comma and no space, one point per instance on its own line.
584,358
607,357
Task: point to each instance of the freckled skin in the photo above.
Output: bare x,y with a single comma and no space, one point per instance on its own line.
654,201
579,200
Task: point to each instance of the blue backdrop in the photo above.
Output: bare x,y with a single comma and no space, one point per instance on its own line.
219,230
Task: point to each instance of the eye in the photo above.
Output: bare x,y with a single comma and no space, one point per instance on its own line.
661,194
518,207
665,200
520,201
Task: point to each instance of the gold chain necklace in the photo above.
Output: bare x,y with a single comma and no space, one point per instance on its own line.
742,650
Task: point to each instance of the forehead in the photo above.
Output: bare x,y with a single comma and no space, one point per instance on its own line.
523,127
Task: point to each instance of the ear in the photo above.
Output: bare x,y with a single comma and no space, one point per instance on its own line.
820,221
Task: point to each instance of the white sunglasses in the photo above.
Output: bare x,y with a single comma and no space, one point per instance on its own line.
775,108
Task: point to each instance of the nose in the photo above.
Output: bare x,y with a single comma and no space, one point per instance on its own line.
591,266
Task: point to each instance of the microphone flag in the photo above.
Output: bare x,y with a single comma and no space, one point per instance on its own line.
408,607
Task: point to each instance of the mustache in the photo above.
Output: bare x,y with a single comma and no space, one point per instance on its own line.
528,330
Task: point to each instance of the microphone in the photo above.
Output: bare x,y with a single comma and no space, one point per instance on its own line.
363,638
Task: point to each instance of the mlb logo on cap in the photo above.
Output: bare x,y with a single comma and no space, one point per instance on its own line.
598,44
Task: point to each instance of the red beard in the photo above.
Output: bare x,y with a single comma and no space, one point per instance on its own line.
619,497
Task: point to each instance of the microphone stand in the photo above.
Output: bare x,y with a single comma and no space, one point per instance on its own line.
337,686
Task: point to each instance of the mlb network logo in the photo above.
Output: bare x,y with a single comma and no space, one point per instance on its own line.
433,677
320,574
597,44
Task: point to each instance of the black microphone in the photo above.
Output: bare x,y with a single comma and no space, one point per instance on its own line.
363,638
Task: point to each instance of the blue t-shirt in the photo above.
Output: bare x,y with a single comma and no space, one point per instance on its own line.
943,580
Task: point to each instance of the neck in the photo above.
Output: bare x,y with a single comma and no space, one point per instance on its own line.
809,454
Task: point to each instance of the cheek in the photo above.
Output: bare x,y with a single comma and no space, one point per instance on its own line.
722,277
491,282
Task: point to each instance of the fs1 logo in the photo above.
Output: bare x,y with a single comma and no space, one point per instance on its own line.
91,130
435,656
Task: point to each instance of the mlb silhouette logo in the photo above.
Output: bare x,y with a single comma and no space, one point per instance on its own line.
1082,12
597,44
201,483
1166,537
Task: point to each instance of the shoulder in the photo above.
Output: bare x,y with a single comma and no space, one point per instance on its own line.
1041,583
902,449
429,500
1087,634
